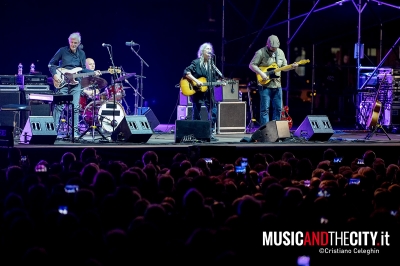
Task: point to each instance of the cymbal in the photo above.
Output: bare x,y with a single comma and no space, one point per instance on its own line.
86,82
125,76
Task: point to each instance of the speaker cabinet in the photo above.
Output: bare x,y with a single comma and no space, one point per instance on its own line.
149,114
315,128
231,117
6,136
7,117
192,130
184,100
133,128
39,130
185,112
272,131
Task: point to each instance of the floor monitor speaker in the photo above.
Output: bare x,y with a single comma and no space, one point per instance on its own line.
133,128
315,128
192,130
273,131
39,130
151,117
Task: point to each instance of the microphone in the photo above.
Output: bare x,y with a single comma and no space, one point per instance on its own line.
106,45
131,43
210,53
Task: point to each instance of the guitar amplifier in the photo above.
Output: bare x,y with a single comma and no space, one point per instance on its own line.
231,117
9,88
32,80
228,92
37,87
35,80
8,80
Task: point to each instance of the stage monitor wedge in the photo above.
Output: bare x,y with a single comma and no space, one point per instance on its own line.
39,130
315,128
192,131
133,128
273,131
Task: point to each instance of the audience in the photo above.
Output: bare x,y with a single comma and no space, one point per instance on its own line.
89,212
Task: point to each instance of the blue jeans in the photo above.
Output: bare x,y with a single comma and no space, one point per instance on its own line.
58,109
270,97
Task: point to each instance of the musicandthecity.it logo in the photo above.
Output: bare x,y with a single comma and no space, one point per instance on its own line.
327,238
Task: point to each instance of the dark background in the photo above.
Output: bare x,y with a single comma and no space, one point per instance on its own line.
170,32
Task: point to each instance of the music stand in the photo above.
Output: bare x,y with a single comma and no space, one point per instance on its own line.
93,127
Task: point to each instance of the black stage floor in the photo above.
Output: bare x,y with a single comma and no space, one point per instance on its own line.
349,144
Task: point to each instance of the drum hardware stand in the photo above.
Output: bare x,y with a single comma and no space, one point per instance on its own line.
93,127
250,126
141,81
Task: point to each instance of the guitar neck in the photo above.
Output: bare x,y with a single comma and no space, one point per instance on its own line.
283,68
212,83
88,74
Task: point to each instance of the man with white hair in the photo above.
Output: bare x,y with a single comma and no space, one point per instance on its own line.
69,57
270,92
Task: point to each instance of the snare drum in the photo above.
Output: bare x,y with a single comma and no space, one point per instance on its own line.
103,96
115,90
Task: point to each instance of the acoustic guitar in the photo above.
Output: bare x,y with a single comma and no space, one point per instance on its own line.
285,116
189,87
68,76
376,109
272,69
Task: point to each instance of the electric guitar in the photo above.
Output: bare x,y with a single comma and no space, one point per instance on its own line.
272,69
376,109
285,116
68,76
189,87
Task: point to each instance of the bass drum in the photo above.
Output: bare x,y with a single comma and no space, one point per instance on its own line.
103,114
88,115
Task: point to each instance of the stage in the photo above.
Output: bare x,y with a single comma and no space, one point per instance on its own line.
349,144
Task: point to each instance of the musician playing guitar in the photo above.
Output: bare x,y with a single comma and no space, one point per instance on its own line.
69,57
269,82
203,67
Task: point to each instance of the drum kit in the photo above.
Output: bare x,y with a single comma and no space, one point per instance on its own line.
101,105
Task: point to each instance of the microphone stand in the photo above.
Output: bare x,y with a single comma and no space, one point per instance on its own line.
141,82
114,103
136,93
211,91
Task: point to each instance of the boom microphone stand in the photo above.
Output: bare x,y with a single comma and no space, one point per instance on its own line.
141,79
113,122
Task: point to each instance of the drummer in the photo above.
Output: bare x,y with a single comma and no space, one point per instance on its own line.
90,64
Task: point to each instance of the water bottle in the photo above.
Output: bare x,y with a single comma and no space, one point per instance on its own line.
20,66
32,68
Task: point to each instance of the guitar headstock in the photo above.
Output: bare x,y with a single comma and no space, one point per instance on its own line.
112,70
304,61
